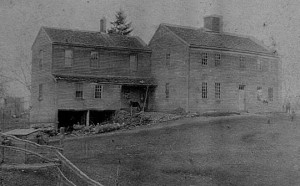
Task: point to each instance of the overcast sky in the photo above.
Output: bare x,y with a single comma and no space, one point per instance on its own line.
275,22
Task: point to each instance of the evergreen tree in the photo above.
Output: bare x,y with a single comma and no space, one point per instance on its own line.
120,26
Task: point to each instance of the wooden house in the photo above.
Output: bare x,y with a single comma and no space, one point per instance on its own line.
207,69
84,76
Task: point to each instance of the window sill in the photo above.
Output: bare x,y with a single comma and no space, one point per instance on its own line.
79,99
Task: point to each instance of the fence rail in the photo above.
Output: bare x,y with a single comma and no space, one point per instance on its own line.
75,174
68,174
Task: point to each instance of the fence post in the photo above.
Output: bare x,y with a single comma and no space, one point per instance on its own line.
62,136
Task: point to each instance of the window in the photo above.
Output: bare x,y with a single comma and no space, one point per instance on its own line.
242,62
204,58
68,58
133,62
79,90
95,59
167,90
259,93
41,58
168,57
241,87
259,65
217,90
204,90
217,59
270,94
40,92
98,91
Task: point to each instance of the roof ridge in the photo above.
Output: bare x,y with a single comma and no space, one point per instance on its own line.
179,26
72,29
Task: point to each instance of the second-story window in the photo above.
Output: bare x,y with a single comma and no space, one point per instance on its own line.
78,90
217,59
68,58
41,59
94,59
98,91
133,62
242,62
204,59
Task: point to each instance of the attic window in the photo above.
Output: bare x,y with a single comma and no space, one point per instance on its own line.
168,57
68,58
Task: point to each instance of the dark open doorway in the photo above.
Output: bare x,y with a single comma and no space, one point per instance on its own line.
67,118
100,116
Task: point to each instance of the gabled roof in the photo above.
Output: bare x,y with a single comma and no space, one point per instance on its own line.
196,37
118,80
93,39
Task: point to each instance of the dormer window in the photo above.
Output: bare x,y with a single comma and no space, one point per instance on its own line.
95,59
133,62
68,58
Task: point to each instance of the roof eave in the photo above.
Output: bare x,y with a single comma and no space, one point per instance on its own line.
234,50
103,47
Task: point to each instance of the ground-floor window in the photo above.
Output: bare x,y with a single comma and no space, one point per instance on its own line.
270,94
167,90
259,93
79,90
98,91
217,90
40,92
204,90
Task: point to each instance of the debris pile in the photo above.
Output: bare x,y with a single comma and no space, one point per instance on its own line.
125,119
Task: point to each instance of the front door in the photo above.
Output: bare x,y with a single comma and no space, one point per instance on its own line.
242,98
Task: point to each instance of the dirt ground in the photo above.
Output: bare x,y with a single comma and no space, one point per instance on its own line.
27,178
243,150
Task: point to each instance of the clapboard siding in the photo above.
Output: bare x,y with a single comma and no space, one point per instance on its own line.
43,111
113,63
186,69
230,75
175,74
110,100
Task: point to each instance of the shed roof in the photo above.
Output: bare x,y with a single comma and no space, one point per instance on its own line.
120,80
92,38
200,37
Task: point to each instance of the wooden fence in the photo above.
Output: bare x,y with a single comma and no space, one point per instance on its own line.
19,151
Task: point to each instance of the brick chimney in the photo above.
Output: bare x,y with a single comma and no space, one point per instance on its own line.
103,25
214,23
